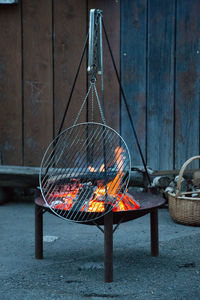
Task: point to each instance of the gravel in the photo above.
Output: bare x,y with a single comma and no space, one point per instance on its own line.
72,267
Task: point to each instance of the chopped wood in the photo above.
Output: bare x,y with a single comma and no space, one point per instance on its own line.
161,181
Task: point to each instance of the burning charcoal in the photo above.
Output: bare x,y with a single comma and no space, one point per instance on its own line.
84,195
106,199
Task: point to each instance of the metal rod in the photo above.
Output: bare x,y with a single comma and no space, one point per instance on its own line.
105,176
85,166
72,90
154,232
118,225
80,169
67,156
75,141
51,157
101,62
126,104
82,213
38,232
73,85
108,247
98,226
91,41
58,173
110,192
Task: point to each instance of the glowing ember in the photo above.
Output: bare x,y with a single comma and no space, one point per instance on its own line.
65,201
94,198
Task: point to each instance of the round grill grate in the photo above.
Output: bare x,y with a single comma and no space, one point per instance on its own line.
85,172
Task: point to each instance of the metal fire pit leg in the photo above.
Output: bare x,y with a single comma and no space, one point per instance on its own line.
154,232
38,232
108,247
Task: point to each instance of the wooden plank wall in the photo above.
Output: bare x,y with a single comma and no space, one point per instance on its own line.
69,26
187,84
37,79
133,73
156,46
160,60
160,80
10,85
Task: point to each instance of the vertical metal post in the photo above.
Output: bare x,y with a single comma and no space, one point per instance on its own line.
38,232
91,41
108,247
154,232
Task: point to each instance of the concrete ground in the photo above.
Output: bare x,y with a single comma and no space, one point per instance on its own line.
72,267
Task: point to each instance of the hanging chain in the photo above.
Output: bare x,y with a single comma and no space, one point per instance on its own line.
99,105
95,64
93,89
83,104
92,104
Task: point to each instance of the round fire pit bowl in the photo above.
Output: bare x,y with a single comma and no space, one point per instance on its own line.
148,202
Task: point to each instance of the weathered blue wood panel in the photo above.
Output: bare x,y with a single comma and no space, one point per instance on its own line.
160,72
133,72
68,45
11,121
187,81
160,105
37,79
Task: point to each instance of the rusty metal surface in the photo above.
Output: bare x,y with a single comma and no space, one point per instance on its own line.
148,202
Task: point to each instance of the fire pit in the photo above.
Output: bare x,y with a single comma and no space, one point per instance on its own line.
149,203
85,170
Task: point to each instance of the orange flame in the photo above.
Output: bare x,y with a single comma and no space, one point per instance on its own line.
125,202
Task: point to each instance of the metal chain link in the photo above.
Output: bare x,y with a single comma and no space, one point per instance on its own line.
93,89
99,105
92,104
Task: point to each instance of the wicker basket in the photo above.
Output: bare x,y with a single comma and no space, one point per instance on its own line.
183,208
